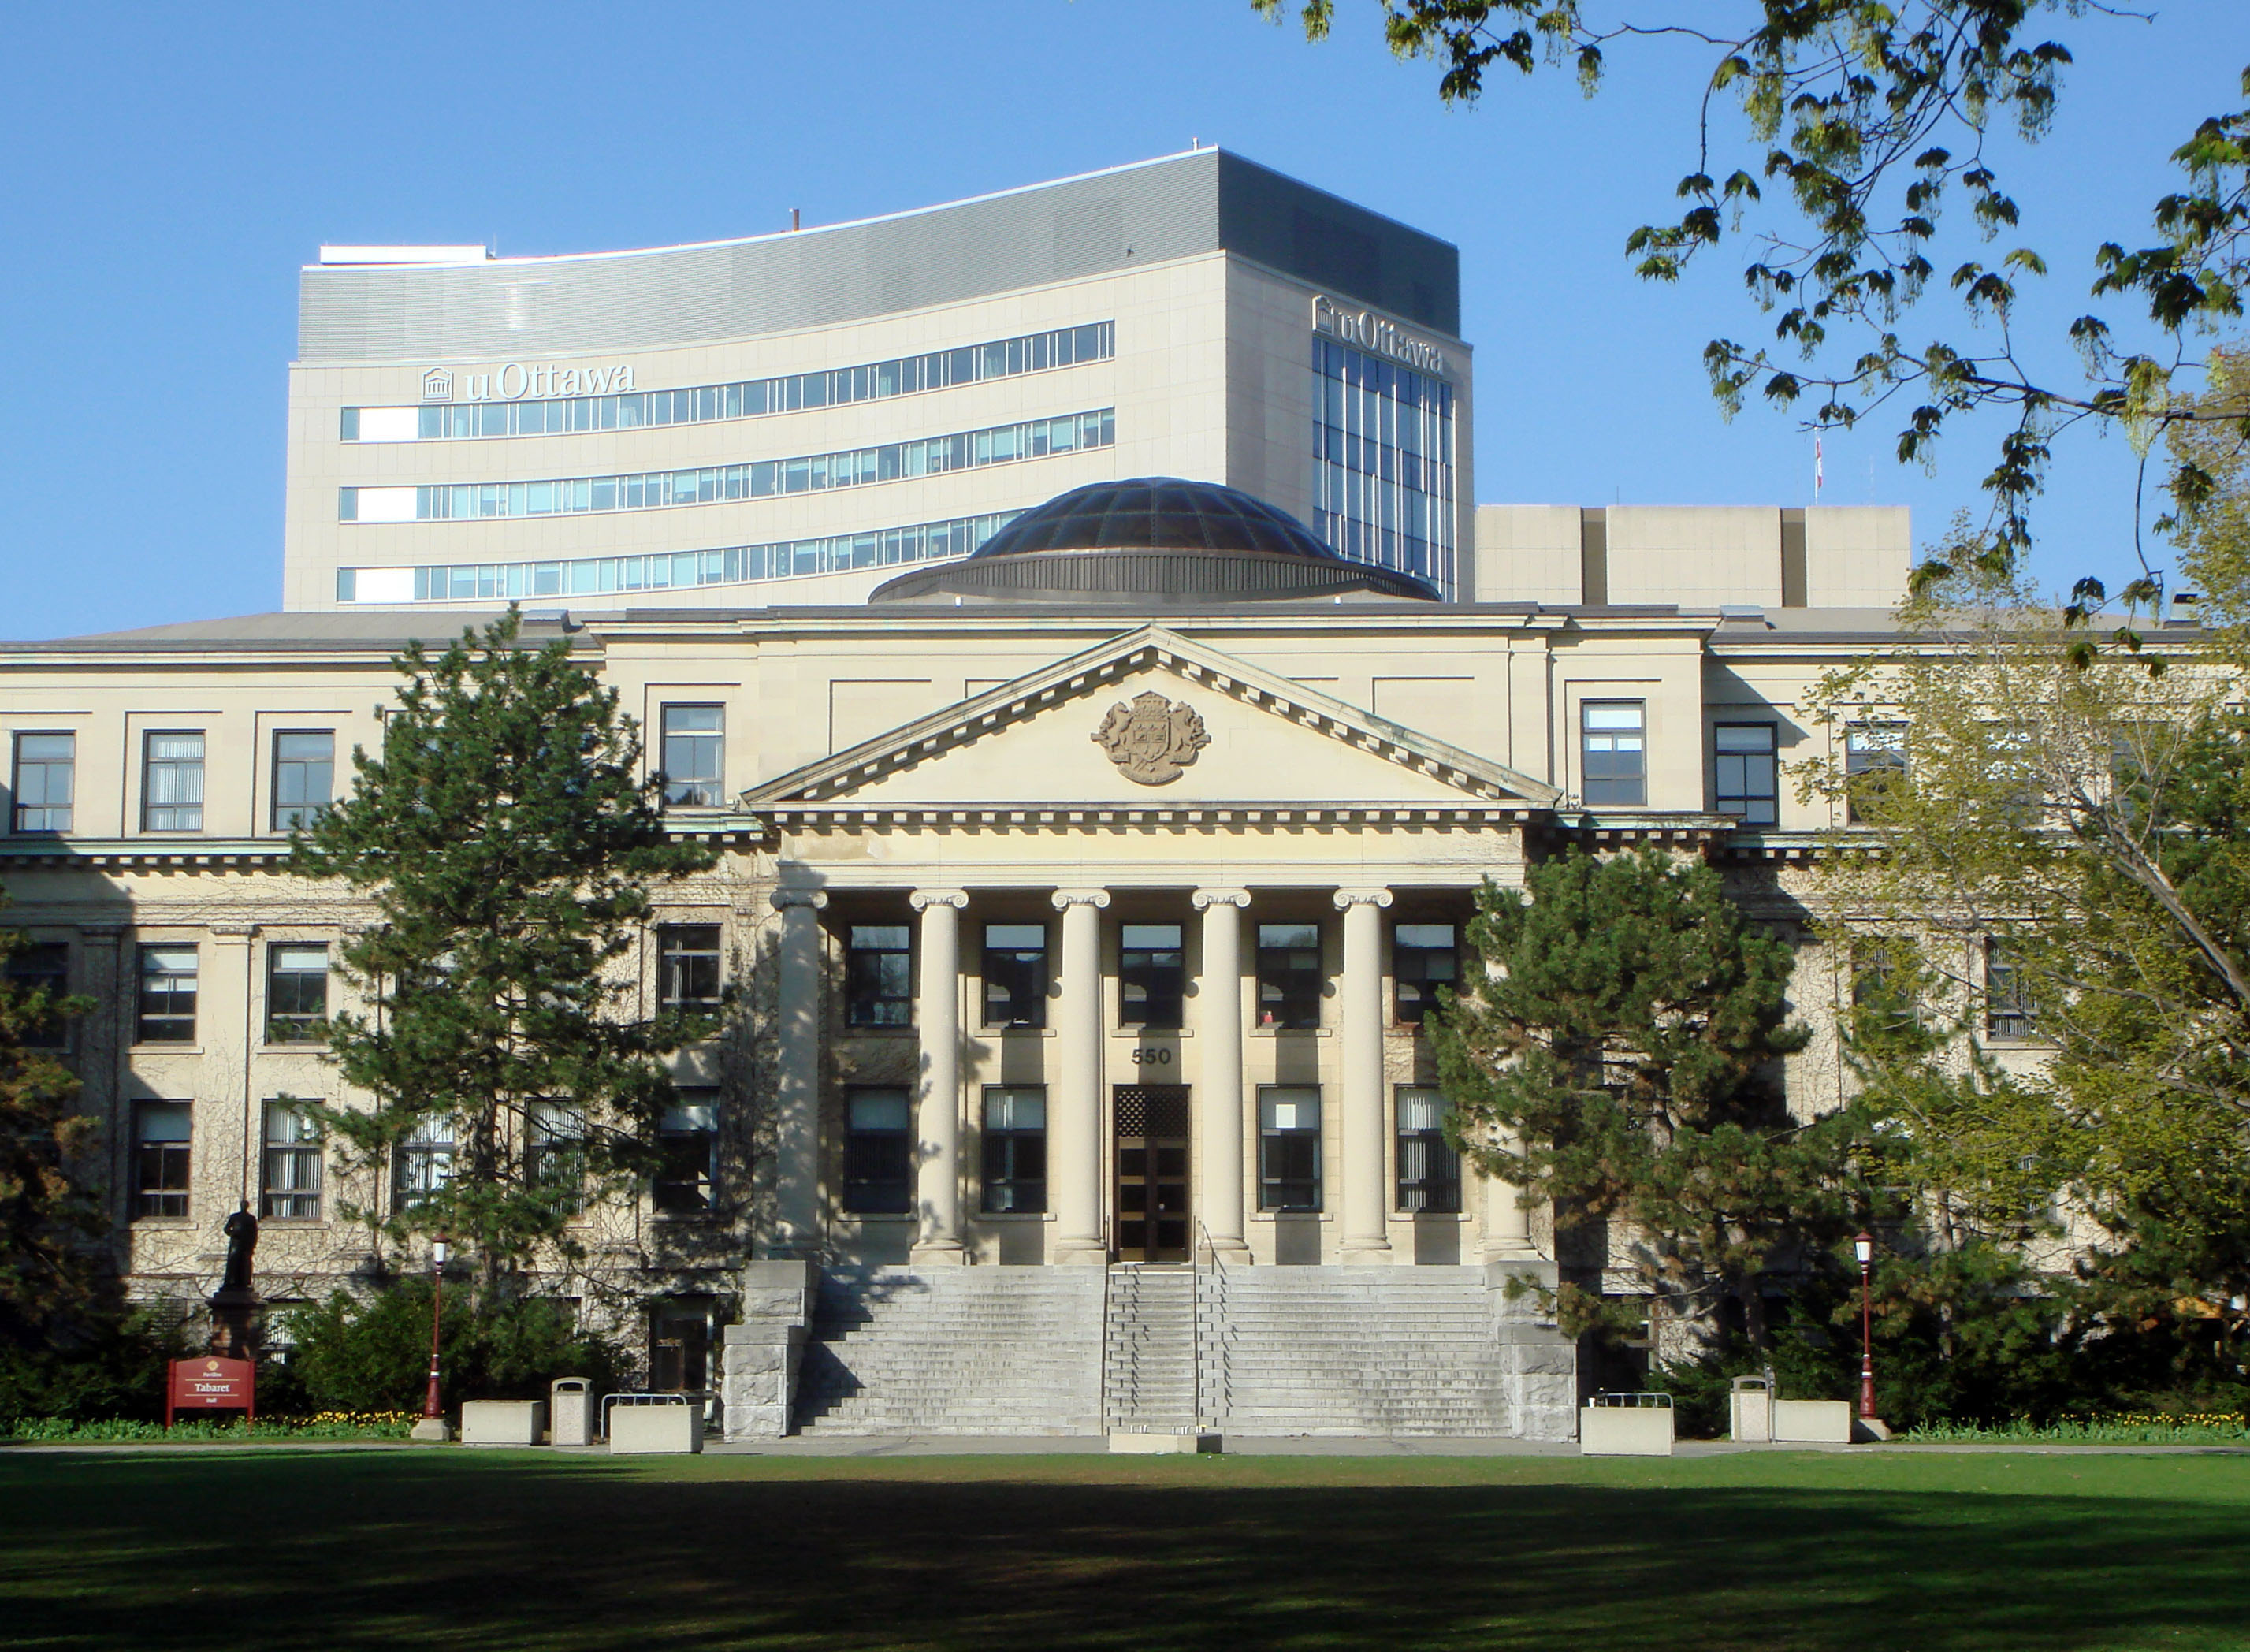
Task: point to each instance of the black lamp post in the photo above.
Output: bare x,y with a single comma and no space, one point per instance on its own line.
1863,1248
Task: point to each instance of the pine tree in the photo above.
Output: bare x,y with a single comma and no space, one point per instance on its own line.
52,1272
1621,1055
510,850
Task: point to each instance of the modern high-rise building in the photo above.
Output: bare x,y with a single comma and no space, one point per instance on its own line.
794,418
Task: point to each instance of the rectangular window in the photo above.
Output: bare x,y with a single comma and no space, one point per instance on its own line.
42,966
424,1162
296,991
1429,1169
695,759
1749,779
167,1009
1875,770
304,777
1288,1148
172,782
878,1152
1424,957
1015,1149
687,1146
1152,976
289,1189
553,1146
1614,755
2007,1002
1883,976
1015,975
45,782
161,1131
688,967
1289,977
877,976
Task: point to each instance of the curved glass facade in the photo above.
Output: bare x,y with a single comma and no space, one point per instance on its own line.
672,570
1383,462
746,398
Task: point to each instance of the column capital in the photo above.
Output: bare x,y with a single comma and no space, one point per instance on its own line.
922,900
1065,899
1346,899
1205,899
784,899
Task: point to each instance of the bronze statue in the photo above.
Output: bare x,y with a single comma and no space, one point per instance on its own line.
241,1231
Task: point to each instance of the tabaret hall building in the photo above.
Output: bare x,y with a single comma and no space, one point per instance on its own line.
1067,613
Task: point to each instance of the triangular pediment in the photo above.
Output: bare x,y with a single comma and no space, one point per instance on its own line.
1150,718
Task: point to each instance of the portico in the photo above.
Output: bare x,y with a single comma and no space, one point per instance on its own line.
1150,1019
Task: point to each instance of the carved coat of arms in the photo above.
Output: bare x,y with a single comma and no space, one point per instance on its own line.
1152,739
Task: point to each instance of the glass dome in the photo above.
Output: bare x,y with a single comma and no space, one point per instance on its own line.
1152,543
1155,512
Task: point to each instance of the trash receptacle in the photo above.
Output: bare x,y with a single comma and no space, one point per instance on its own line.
570,1411
1749,1410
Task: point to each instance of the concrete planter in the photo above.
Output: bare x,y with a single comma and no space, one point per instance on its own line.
1626,1430
655,1429
503,1422
1812,1422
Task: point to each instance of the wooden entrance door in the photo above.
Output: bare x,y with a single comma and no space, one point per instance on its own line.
1152,1172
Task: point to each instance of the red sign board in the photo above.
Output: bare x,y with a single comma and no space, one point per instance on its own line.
211,1384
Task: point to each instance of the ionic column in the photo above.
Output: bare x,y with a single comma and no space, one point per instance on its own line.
1507,1223
796,1076
1365,1236
1218,1195
937,1012
1074,1119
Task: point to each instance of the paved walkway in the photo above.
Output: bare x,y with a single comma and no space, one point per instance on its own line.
1094,1445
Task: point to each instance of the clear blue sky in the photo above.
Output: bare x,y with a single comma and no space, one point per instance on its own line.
167,170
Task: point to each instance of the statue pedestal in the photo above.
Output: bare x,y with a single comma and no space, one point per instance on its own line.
237,1332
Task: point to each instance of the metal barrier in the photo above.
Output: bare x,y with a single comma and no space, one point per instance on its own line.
1640,1399
677,1397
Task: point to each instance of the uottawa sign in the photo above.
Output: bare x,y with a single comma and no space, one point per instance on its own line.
211,1384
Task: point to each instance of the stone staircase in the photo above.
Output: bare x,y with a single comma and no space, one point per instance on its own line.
954,1351
1149,1368
1378,1351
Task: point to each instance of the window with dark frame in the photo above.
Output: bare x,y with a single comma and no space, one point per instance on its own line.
1152,976
1613,753
2007,997
1883,975
160,1138
1015,1150
172,781
296,991
289,1174
687,966
1015,971
879,975
422,1162
42,966
878,1152
166,1006
44,784
1429,1169
695,756
553,1146
1747,774
680,1346
1290,976
304,776
1424,957
1875,769
1288,1148
687,1148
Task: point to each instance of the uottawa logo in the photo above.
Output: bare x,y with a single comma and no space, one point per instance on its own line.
517,381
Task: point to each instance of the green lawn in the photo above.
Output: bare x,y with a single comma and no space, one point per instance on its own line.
1828,1553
